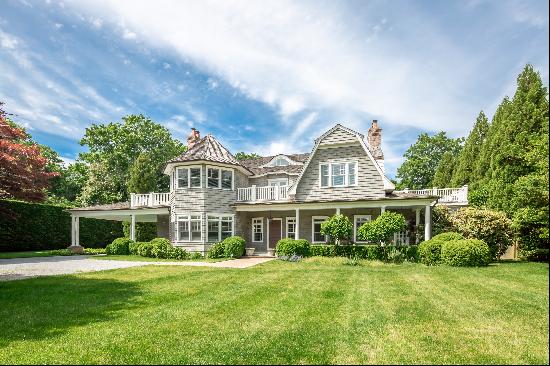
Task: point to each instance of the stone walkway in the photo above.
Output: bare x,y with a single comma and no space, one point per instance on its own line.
21,268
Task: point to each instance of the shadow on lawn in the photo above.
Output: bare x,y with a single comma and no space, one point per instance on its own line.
47,307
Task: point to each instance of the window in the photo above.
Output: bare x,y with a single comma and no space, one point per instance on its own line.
277,182
291,227
337,174
227,179
359,220
258,230
281,162
189,228
316,229
189,177
213,178
219,227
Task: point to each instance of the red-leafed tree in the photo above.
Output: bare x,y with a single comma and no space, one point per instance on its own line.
23,172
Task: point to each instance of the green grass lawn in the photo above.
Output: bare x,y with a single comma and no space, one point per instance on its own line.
138,258
28,254
315,311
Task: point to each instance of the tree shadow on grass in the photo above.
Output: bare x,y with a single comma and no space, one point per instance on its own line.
46,307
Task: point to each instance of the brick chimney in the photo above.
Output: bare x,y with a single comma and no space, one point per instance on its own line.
193,138
374,139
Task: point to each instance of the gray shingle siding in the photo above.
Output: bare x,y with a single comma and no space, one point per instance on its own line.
339,136
264,180
369,181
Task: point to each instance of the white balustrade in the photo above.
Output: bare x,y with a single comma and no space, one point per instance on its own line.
152,199
262,194
446,195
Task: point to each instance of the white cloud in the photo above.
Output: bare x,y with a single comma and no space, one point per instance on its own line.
96,22
212,84
7,41
58,25
166,66
128,34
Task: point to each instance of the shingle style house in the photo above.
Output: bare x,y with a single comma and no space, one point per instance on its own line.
213,195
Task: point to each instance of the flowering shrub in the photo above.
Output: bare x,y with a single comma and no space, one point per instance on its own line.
217,250
119,246
233,247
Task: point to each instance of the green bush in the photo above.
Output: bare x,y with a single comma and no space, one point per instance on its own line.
196,255
465,253
535,255
387,253
177,253
145,231
160,248
338,228
290,247
145,250
429,252
94,251
133,248
34,226
381,229
119,246
448,236
234,246
493,227
217,250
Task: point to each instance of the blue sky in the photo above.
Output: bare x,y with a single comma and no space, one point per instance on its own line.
262,76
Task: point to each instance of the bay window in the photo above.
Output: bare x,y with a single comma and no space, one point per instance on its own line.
219,227
337,174
219,178
189,228
188,177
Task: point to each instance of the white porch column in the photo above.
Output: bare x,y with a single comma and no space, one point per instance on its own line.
337,210
297,236
428,223
133,227
382,209
77,231
416,223
73,230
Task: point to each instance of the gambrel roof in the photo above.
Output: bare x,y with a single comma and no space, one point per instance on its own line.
258,165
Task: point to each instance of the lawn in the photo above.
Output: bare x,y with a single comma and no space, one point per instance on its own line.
138,258
29,254
315,311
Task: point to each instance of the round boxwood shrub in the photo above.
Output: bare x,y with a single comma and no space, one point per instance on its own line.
429,252
146,250
290,247
466,253
119,246
448,236
160,247
177,253
217,250
233,246
134,247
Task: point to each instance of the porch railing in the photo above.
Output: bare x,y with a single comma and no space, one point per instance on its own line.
152,199
446,195
402,238
262,194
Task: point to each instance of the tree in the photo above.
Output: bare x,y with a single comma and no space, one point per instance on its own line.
468,158
113,149
338,227
445,170
143,175
422,159
241,155
381,229
23,168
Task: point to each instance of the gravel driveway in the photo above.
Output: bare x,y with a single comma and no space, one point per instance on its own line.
20,268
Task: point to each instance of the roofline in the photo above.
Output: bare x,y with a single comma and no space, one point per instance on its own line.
173,164
293,162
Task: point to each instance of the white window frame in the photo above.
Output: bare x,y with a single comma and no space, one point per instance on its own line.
187,217
288,221
219,220
273,180
346,174
355,217
261,223
220,170
313,219
188,168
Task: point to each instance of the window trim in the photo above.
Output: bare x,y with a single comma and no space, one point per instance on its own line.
288,219
313,218
187,217
261,226
188,168
346,173
276,180
355,217
219,215
220,179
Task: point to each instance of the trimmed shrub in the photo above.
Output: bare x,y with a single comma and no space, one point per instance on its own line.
177,253
160,248
465,253
233,247
94,251
35,226
290,247
381,229
338,228
119,246
429,252
217,250
145,250
196,255
133,248
448,236
387,253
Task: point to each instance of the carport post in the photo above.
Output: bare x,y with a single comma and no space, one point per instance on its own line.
133,227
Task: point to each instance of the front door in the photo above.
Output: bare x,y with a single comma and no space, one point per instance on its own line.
275,228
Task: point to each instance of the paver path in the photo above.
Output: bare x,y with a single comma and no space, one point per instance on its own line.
20,268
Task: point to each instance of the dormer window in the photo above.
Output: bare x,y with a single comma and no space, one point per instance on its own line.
281,162
341,174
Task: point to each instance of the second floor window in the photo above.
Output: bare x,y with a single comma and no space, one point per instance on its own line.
338,174
189,177
220,178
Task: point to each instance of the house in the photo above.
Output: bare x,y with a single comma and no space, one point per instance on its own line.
213,195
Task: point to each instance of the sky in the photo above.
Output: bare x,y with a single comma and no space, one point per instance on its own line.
265,76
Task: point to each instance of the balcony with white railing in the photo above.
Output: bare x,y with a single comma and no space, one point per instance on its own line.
262,194
152,199
447,196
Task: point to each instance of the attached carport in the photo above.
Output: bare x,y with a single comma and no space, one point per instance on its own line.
115,212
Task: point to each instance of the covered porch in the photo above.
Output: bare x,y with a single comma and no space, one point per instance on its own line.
120,212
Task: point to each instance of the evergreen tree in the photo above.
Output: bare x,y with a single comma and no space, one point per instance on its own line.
143,175
469,157
445,170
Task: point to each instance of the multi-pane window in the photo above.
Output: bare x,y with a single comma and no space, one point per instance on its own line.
219,227
359,220
316,229
219,178
281,162
338,174
257,230
227,179
188,177
189,228
291,227
213,178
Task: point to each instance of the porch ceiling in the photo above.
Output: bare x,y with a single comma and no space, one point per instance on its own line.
141,214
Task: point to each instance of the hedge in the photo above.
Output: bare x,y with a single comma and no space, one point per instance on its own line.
466,253
290,247
35,226
371,252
